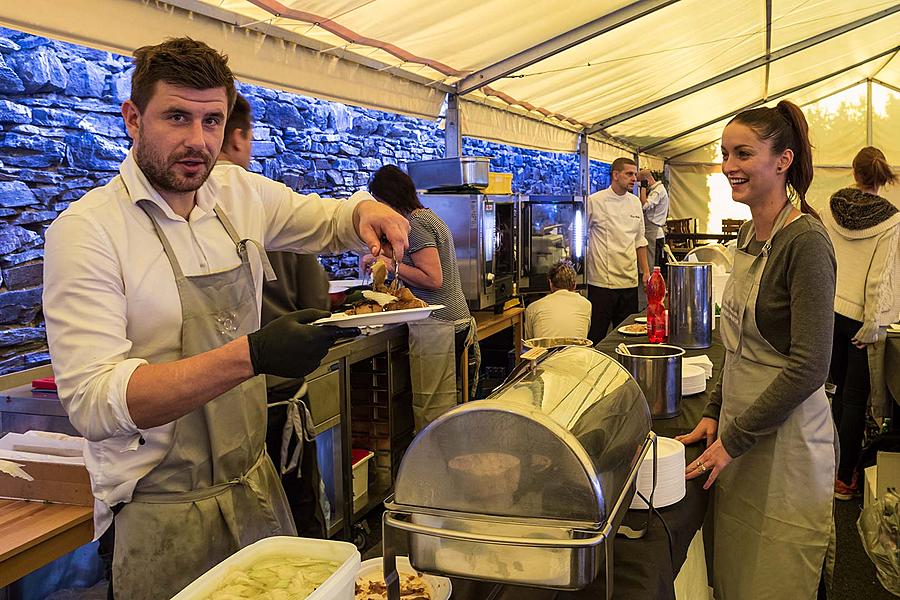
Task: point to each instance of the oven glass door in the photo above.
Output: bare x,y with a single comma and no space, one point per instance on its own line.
555,231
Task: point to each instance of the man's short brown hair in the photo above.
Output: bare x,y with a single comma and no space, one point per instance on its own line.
619,163
563,276
183,62
238,118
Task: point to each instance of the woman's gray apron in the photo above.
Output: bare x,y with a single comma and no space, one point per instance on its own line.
432,367
216,490
773,504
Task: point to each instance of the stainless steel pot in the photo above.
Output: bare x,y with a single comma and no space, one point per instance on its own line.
657,369
690,304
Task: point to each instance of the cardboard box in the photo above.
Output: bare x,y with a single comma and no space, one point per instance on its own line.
870,476
54,461
888,472
53,482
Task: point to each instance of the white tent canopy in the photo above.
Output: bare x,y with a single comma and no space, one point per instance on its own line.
657,77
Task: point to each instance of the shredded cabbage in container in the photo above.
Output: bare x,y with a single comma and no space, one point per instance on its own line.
282,578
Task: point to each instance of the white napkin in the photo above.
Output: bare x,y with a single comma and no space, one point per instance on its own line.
700,361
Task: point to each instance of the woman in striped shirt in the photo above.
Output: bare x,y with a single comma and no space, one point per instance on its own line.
429,269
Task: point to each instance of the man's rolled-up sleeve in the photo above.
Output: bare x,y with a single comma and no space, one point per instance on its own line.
85,313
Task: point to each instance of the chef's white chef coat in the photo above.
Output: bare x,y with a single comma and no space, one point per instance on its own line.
615,231
657,208
111,304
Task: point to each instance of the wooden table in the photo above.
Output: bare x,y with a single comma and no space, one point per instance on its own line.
488,324
33,534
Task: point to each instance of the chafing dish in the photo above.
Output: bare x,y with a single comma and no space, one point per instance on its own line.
529,485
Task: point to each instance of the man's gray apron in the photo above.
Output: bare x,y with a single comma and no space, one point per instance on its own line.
432,367
216,490
773,504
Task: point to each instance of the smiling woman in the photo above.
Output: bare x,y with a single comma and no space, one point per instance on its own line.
768,414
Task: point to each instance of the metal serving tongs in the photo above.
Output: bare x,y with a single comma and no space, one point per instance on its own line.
396,284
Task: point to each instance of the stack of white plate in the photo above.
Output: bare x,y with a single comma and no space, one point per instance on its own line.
693,379
669,475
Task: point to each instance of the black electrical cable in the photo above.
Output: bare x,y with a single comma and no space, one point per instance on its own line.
665,526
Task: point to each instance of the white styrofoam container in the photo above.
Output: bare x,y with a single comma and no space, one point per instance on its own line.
373,569
337,587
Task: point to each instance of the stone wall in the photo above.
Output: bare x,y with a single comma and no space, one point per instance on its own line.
61,134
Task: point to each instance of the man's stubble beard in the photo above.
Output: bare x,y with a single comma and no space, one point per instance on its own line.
157,170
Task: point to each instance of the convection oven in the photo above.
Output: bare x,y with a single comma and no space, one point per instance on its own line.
484,230
551,228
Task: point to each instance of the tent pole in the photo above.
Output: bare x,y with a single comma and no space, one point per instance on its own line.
584,164
452,130
869,130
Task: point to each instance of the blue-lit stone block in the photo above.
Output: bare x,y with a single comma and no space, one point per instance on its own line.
93,152
40,70
16,193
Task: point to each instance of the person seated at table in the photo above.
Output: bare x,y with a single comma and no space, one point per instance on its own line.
561,313
768,431
429,270
865,231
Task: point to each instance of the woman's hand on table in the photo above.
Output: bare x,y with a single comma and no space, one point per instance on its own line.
713,459
705,429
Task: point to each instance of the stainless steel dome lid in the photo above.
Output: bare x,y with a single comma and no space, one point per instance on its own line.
557,442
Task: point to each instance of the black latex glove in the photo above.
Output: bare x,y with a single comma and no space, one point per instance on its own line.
289,347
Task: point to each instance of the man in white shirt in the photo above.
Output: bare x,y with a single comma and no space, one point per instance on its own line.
152,293
655,201
616,239
563,312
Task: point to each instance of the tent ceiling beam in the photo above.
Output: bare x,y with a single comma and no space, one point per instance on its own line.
887,85
748,107
560,43
886,63
762,101
747,67
264,28
768,46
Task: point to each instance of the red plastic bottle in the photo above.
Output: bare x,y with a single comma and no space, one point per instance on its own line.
657,322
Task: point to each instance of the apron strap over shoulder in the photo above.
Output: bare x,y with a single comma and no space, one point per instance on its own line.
241,244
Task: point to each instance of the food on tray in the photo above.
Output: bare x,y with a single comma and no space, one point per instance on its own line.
412,587
384,298
276,578
635,328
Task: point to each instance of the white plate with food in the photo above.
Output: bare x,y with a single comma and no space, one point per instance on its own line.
640,319
633,329
379,318
342,285
370,582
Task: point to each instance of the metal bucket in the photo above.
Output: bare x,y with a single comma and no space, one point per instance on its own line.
690,304
657,370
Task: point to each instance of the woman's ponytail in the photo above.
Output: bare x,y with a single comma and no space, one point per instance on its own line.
800,173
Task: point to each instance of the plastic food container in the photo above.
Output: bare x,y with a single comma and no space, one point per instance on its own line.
361,460
337,587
